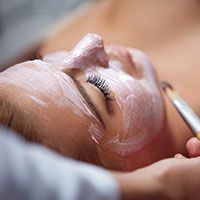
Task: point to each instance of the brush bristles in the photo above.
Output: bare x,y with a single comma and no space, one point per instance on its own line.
164,85
169,90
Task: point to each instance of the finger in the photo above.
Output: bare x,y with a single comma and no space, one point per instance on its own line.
179,156
193,147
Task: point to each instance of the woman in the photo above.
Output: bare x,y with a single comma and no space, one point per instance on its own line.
98,104
168,33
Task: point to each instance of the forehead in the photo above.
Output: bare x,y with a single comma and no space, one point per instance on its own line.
48,94
32,77
46,85
39,82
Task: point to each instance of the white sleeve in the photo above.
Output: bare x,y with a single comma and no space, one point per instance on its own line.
33,172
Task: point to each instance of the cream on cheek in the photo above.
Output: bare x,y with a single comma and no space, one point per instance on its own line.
142,111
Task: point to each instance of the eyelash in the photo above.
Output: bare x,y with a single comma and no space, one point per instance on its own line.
101,84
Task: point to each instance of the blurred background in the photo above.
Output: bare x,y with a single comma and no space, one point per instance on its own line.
24,22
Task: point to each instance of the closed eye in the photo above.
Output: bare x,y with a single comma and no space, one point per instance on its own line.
101,84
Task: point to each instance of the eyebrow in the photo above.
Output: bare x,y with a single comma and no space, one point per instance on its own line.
87,98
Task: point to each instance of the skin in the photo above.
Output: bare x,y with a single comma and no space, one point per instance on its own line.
167,32
131,132
174,178
35,87
168,185
166,47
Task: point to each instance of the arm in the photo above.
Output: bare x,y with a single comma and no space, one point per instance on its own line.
33,172
30,171
174,178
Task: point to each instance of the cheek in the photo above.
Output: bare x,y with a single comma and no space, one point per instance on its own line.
142,116
137,112
142,112
156,149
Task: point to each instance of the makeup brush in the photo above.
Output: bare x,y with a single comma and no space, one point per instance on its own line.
187,114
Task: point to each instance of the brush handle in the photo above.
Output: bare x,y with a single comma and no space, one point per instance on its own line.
188,115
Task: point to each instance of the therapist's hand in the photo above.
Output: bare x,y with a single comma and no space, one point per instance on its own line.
167,179
193,147
174,178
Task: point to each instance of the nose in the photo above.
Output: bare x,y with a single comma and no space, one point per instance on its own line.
89,52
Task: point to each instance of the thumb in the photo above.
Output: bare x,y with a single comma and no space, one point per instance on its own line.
193,147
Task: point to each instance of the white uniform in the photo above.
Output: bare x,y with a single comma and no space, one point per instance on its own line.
32,172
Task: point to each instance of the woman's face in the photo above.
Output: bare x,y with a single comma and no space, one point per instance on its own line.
95,100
